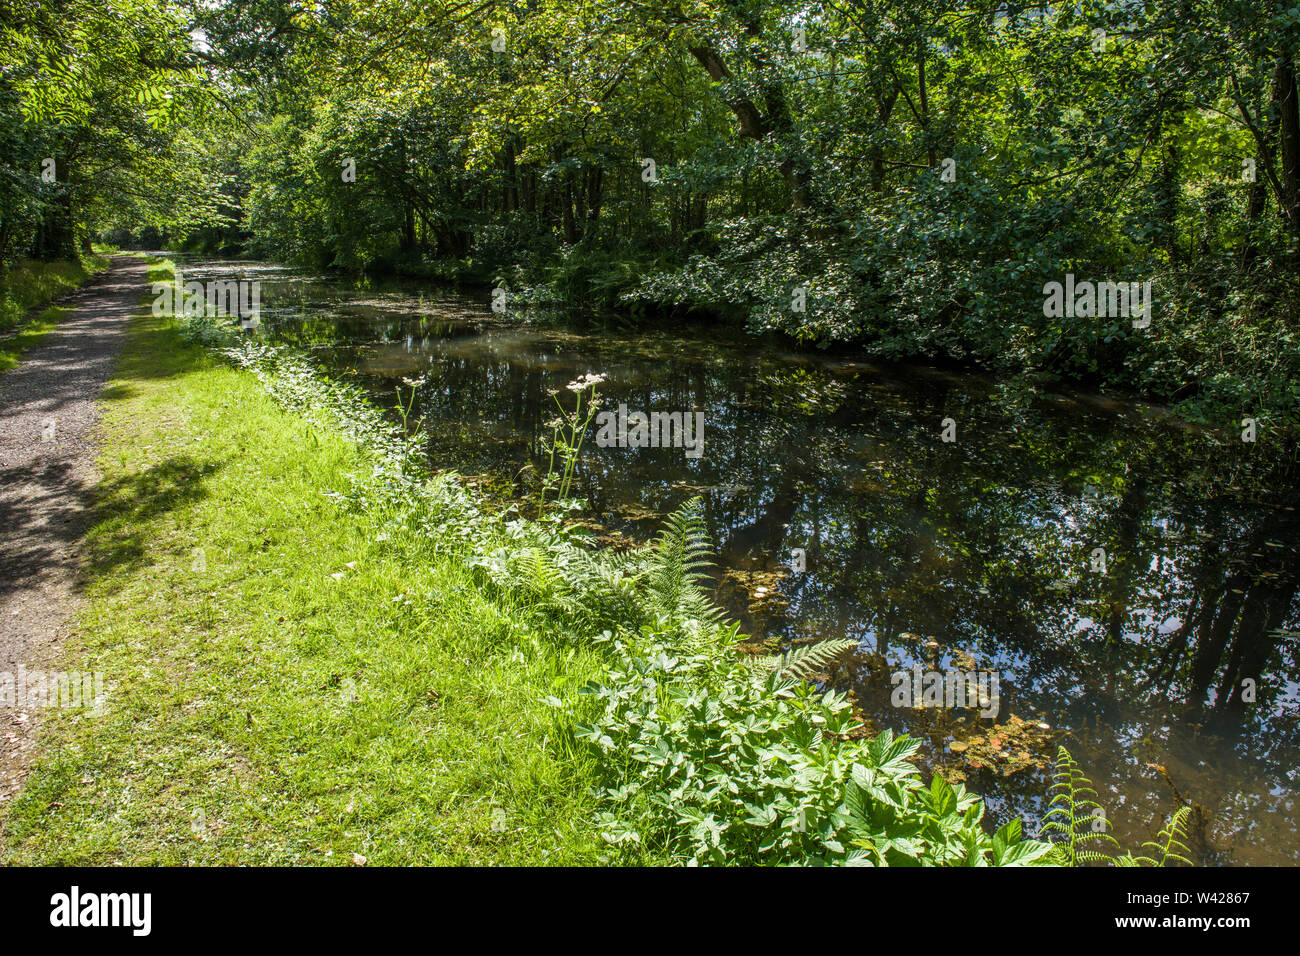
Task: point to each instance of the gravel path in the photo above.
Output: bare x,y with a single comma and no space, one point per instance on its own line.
48,412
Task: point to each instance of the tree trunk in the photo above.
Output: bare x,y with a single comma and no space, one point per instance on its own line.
755,124
1289,142
56,234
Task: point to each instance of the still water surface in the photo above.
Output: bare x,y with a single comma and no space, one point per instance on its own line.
837,508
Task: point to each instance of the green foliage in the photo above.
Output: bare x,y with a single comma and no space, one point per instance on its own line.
785,672
1169,845
1076,825
677,567
704,765
1076,820
704,755
29,284
777,166
91,98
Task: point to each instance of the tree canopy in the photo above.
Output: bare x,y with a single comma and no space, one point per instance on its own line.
899,177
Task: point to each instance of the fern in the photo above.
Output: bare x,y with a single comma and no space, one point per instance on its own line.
1072,815
782,673
677,564
1169,845
544,582
608,580
663,581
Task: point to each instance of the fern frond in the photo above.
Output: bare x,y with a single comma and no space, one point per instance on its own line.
1169,843
1071,815
799,663
607,583
677,564
781,673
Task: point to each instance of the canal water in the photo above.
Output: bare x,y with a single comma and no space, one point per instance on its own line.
1126,582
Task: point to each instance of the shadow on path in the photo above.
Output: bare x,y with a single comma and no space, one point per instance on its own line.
48,483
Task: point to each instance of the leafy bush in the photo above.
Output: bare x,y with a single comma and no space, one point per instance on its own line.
712,758
708,762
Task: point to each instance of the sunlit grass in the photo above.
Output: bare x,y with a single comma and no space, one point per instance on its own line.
12,347
288,682
29,283
26,286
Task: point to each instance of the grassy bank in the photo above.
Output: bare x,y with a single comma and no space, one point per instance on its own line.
24,289
289,680
317,652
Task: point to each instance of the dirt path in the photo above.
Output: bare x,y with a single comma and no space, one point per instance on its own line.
48,412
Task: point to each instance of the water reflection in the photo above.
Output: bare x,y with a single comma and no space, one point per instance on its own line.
1166,660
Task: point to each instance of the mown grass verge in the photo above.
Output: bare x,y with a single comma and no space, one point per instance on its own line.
289,680
14,345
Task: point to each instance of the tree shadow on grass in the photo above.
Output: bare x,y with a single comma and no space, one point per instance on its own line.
131,503
119,392
158,351
49,498
48,507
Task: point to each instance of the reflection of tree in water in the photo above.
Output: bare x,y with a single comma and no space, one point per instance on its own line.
984,544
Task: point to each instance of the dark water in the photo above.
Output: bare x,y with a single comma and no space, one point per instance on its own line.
972,554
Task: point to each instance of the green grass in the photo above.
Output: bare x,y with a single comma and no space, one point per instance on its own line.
27,286
309,690
14,345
